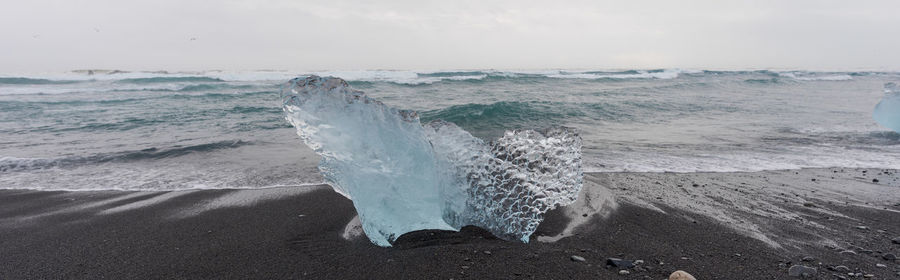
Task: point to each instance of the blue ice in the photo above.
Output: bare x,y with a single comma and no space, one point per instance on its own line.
405,176
887,112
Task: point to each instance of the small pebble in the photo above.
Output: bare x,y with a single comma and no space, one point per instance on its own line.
616,262
577,258
802,271
889,257
624,272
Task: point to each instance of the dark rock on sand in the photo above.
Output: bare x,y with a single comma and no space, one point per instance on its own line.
620,263
841,268
808,259
889,257
896,240
802,271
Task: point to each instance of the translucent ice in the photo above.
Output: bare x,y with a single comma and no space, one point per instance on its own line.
404,176
887,112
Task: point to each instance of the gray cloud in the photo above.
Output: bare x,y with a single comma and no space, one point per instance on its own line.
311,35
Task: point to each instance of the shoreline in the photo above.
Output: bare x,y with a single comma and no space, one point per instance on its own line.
732,225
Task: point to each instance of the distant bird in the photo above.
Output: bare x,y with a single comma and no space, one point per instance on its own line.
97,29
35,36
193,38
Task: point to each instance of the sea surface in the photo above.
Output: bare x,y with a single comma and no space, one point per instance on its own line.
92,130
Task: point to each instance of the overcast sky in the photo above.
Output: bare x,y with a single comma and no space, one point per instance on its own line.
37,35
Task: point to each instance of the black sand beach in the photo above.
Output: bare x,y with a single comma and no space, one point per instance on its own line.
712,225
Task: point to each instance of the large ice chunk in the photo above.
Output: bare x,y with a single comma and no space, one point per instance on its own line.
404,176
887,112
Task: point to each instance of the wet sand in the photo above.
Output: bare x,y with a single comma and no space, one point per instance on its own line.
714,225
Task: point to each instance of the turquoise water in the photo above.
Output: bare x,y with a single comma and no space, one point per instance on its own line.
143,130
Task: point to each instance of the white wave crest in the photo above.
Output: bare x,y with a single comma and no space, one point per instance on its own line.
806,76
663,75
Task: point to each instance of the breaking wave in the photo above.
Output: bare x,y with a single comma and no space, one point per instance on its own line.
763,81
500,114
8,164
169,80
31,81
808,76
631,74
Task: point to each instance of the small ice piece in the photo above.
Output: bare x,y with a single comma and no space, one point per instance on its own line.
403,176
887,112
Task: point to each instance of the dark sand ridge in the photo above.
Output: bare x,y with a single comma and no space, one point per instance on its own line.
729,226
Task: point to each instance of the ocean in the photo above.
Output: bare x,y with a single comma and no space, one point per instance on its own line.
114,130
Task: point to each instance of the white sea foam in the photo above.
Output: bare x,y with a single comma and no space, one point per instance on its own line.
247,198
8,163
807,76
665,74
737,161
145,202
79,174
